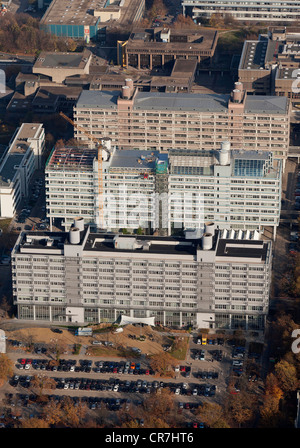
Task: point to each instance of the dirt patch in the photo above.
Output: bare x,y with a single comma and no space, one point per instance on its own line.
130,337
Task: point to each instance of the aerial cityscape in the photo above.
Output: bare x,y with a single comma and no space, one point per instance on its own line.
149,216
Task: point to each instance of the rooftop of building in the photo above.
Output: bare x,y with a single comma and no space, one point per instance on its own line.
81,12
182,102
71,158
20,142
63,61
251,249
254,250
265,52
136,159
9,169
177,39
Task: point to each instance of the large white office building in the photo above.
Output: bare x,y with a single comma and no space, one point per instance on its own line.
22,158
216,281
253,11
168,193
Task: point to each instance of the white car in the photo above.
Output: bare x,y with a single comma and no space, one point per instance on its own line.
116,388
27,366
176,369
177,391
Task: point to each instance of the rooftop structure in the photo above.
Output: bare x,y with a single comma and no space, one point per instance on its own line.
178,281
271,64
58,66
153,48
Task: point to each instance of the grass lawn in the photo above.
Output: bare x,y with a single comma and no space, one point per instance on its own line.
179,348
4,224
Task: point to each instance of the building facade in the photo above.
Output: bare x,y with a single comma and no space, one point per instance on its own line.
80,277
270,65
252,11
167,193
160,121
157,48
23,157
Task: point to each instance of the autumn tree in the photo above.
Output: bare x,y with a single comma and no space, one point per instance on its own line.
34,423
159,409
6,367
162,363
272,387
286,375
269,412
65,413
241,408
42,382
183,22
212,415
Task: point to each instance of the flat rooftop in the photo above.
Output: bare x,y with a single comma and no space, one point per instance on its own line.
182,101
134,159
9,169
27,131
62,60
252,249
81,12
151,39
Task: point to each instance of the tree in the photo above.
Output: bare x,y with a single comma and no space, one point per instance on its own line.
241,408
162,363
212,415
41,382
34,423
269,412
65,413
183,22
286,375
6,367
272,387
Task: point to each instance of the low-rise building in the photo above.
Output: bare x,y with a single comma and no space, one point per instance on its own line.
157,48
89,19
216,281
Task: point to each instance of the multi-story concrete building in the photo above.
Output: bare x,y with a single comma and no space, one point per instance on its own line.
157,48
160,121
217,281
89,19
270,65
167,193
253,11
23,157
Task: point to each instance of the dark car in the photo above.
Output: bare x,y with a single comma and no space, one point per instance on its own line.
56,330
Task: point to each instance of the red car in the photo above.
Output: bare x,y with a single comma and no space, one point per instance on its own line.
23,361
115,370
182,368
28,361
147,372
